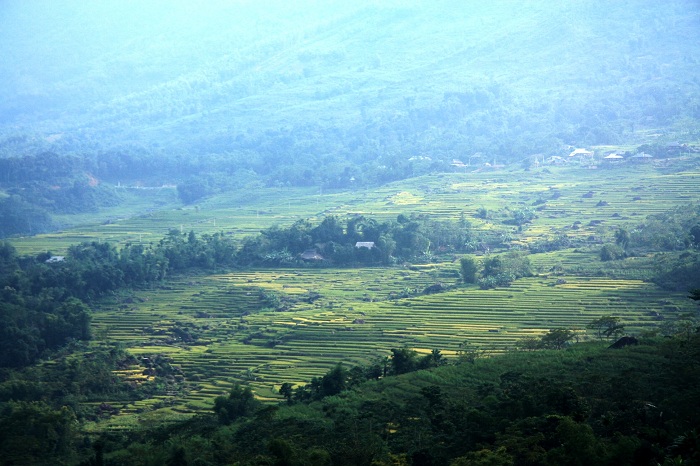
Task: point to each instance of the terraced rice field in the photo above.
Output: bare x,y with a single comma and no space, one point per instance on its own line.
560,197
223,329
239,342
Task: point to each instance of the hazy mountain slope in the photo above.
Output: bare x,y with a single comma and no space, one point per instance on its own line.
292,81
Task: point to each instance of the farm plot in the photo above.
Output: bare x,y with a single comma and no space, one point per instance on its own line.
265,327
264,348
587,262
597,200
332,287
210,326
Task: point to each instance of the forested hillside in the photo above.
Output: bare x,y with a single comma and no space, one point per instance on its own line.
338,93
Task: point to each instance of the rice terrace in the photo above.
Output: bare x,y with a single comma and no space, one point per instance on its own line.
236,335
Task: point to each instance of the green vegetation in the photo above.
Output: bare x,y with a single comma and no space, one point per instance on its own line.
358,241
349,234
584,405
188,341
43,297
503,270
468,269
607,326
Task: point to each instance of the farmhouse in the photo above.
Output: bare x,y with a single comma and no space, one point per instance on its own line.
677,148
311,255
364,244
642,158
54,259
613,158
585,157
581,153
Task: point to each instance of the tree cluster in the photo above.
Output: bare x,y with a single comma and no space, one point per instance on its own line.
497,270
38,313
335,241
43,298
675,230
663,234
401,361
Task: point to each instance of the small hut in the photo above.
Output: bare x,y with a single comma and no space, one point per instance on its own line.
311,255
54,259
581,153
613,158
642,157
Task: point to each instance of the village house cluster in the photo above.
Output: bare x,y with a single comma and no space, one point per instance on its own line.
587,158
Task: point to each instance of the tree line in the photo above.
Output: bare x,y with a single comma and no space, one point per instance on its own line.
358,240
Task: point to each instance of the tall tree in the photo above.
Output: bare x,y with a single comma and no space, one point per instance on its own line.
468,269
403,360
606,326
240,403
557,338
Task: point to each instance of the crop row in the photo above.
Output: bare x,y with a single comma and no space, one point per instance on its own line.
264,349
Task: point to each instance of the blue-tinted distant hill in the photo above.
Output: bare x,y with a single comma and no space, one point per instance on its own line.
324,91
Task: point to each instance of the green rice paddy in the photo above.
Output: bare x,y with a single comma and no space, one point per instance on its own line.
266,348
356,315
560,196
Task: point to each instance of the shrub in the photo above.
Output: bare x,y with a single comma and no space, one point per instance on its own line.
611,252
492,281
